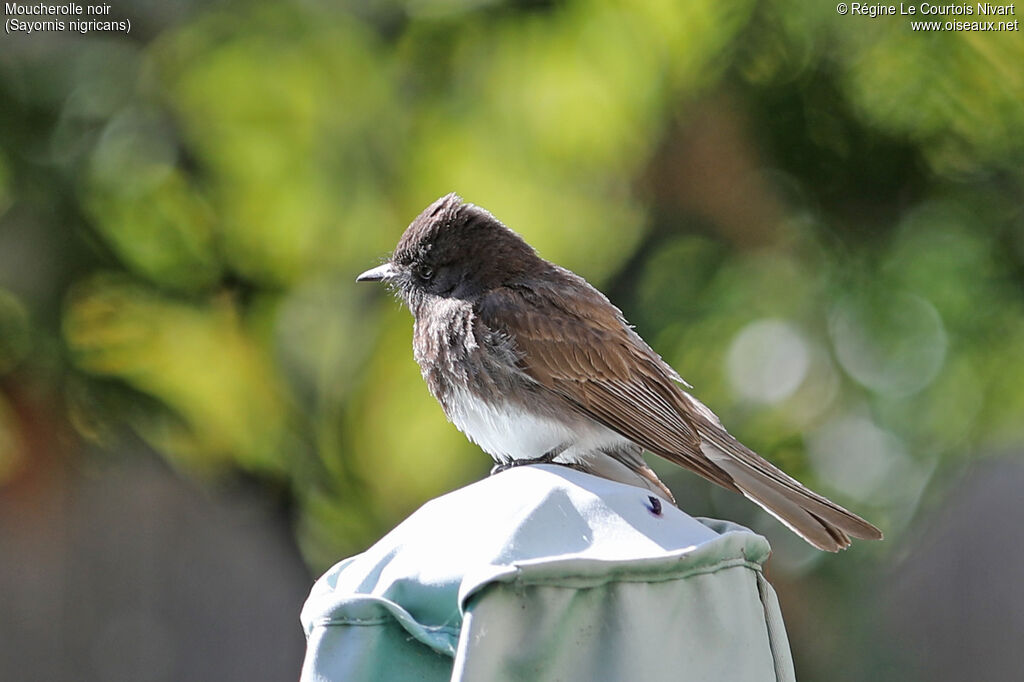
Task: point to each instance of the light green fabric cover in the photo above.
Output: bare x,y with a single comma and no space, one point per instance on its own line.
545,573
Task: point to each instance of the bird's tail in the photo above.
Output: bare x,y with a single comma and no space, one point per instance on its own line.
818,520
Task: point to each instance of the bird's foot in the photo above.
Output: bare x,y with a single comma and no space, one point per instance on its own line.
547,458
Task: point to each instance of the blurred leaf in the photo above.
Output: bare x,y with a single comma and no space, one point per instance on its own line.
159,227
13,450
959,92
5,189
15,332
197,360
287,130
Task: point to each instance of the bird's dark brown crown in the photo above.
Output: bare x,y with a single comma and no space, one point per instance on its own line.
465,246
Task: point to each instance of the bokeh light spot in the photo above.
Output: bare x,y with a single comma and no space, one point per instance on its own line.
891,344
854,454
767,361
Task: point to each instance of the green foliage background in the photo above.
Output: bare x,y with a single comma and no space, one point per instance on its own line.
817,219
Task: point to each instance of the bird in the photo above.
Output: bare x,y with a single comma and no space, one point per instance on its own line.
535,365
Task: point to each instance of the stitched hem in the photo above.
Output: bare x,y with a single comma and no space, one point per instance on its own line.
627,576
383,620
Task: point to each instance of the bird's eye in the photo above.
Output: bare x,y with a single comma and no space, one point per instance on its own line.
424,272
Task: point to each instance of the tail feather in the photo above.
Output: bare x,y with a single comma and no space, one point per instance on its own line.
818,520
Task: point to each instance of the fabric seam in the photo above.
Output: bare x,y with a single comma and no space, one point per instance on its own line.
596,581
772,637
383,620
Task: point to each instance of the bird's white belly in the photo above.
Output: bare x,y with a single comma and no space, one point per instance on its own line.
507,432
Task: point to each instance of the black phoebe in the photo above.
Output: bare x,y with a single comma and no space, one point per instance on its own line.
535,365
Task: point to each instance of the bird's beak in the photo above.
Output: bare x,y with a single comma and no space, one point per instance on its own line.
378,274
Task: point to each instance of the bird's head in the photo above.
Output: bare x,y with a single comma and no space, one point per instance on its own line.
455,250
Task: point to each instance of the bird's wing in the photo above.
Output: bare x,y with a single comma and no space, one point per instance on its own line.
582,350
575,343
